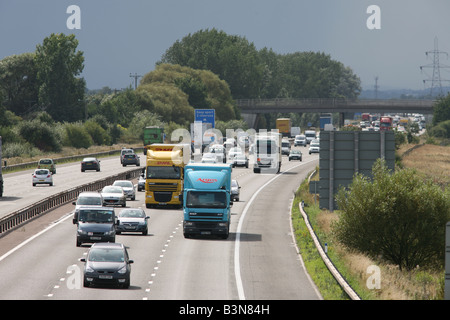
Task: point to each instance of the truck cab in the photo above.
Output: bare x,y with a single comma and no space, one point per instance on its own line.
207,200
164,176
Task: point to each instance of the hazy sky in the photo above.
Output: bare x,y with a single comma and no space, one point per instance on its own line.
120,37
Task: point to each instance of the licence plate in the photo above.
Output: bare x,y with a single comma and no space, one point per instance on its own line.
205,232
105,276
130,228
96,238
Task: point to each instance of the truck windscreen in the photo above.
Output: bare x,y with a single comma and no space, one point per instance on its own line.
206,199
163,172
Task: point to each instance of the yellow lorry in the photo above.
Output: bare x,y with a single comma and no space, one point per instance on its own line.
284,126
164,174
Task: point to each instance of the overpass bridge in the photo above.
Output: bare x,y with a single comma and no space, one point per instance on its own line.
252,108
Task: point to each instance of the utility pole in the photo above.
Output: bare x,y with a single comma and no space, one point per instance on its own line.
376,87
436,81
135,76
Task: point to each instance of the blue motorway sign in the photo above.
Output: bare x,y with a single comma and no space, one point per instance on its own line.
205,116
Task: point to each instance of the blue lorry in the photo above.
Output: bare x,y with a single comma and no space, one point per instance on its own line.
207,199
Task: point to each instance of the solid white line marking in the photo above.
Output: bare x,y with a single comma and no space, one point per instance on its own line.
237,270
34,237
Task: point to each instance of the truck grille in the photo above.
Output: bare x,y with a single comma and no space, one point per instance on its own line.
163,196
157,186
202,215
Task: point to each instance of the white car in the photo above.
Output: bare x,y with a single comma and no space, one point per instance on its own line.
128,188
42,176
300,140
113,195
233,152
219,151
314,146
209,158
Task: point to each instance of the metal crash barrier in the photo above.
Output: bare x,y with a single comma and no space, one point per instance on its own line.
21,216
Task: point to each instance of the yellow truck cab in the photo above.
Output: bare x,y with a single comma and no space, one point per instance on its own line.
164,174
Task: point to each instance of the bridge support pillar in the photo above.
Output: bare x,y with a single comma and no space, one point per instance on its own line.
251,119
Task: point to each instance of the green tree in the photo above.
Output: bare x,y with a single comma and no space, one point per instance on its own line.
18,82
233,58
396,216
195,89
59,64
441,110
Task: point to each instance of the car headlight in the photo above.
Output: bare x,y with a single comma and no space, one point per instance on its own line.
122,270
82,232
109,233
89,269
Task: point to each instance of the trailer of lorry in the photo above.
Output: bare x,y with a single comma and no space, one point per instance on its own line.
164,173
295,131
283,126
267,153
325,118
153,134
207,199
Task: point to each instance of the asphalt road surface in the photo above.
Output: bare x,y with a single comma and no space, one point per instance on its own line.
258,261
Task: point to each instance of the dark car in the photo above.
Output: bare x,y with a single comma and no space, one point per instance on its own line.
90,164
130,158
95,224
132,220
107,264
123,152
295,155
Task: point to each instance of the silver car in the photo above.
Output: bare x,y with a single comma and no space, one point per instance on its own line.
88,198
42,176
114,195
128,188
132,220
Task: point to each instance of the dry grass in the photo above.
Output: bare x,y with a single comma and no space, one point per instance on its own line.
395,284
433,162
430,160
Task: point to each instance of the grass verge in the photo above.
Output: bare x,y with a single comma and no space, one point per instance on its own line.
418,284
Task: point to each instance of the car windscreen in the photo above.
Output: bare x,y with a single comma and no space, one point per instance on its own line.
163,172
113,189
132,213
100,216
89,201
106,255
126,184
206,199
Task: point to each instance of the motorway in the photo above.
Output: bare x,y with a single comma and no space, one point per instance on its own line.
259,261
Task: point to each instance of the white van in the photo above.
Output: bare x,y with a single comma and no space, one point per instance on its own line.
310,135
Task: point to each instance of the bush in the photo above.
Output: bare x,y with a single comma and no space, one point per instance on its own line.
397,216
98,134
76,136
40,135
